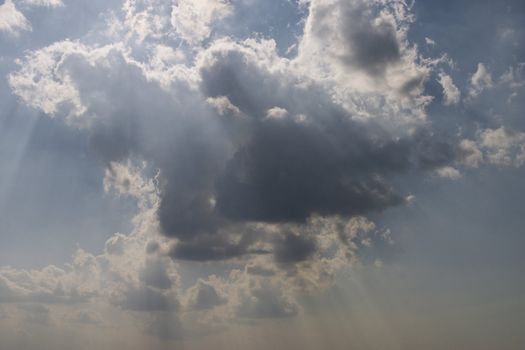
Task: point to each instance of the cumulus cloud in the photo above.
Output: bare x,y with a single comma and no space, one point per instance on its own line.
265,165
240,137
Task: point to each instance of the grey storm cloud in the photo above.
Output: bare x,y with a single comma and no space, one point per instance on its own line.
283,153
279,151
294,248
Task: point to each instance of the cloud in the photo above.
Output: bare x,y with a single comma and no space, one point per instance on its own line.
261,298
243,137
51,285
356,34
124,276
430,42
471,155
293,248
450,91
43,85
262,164
155,274
315,158
193,20
12,21
205,295
480,80
448,172
44,3
359,49
503,146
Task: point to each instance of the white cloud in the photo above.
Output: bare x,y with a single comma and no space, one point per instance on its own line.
450,91
44,80
480,80
430,42
12,21
144,19
449,172
276,113
503,146
193,19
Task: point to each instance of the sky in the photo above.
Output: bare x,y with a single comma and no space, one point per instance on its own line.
262,174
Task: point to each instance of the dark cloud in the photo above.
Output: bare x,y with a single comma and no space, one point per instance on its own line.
289,154
293,248
289,171
213,247
292,153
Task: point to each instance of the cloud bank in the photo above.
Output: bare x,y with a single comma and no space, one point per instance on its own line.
266,165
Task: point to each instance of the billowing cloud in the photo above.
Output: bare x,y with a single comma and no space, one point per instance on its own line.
259,166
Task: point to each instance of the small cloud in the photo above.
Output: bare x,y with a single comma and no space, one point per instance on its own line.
430,42
448,172
451,93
